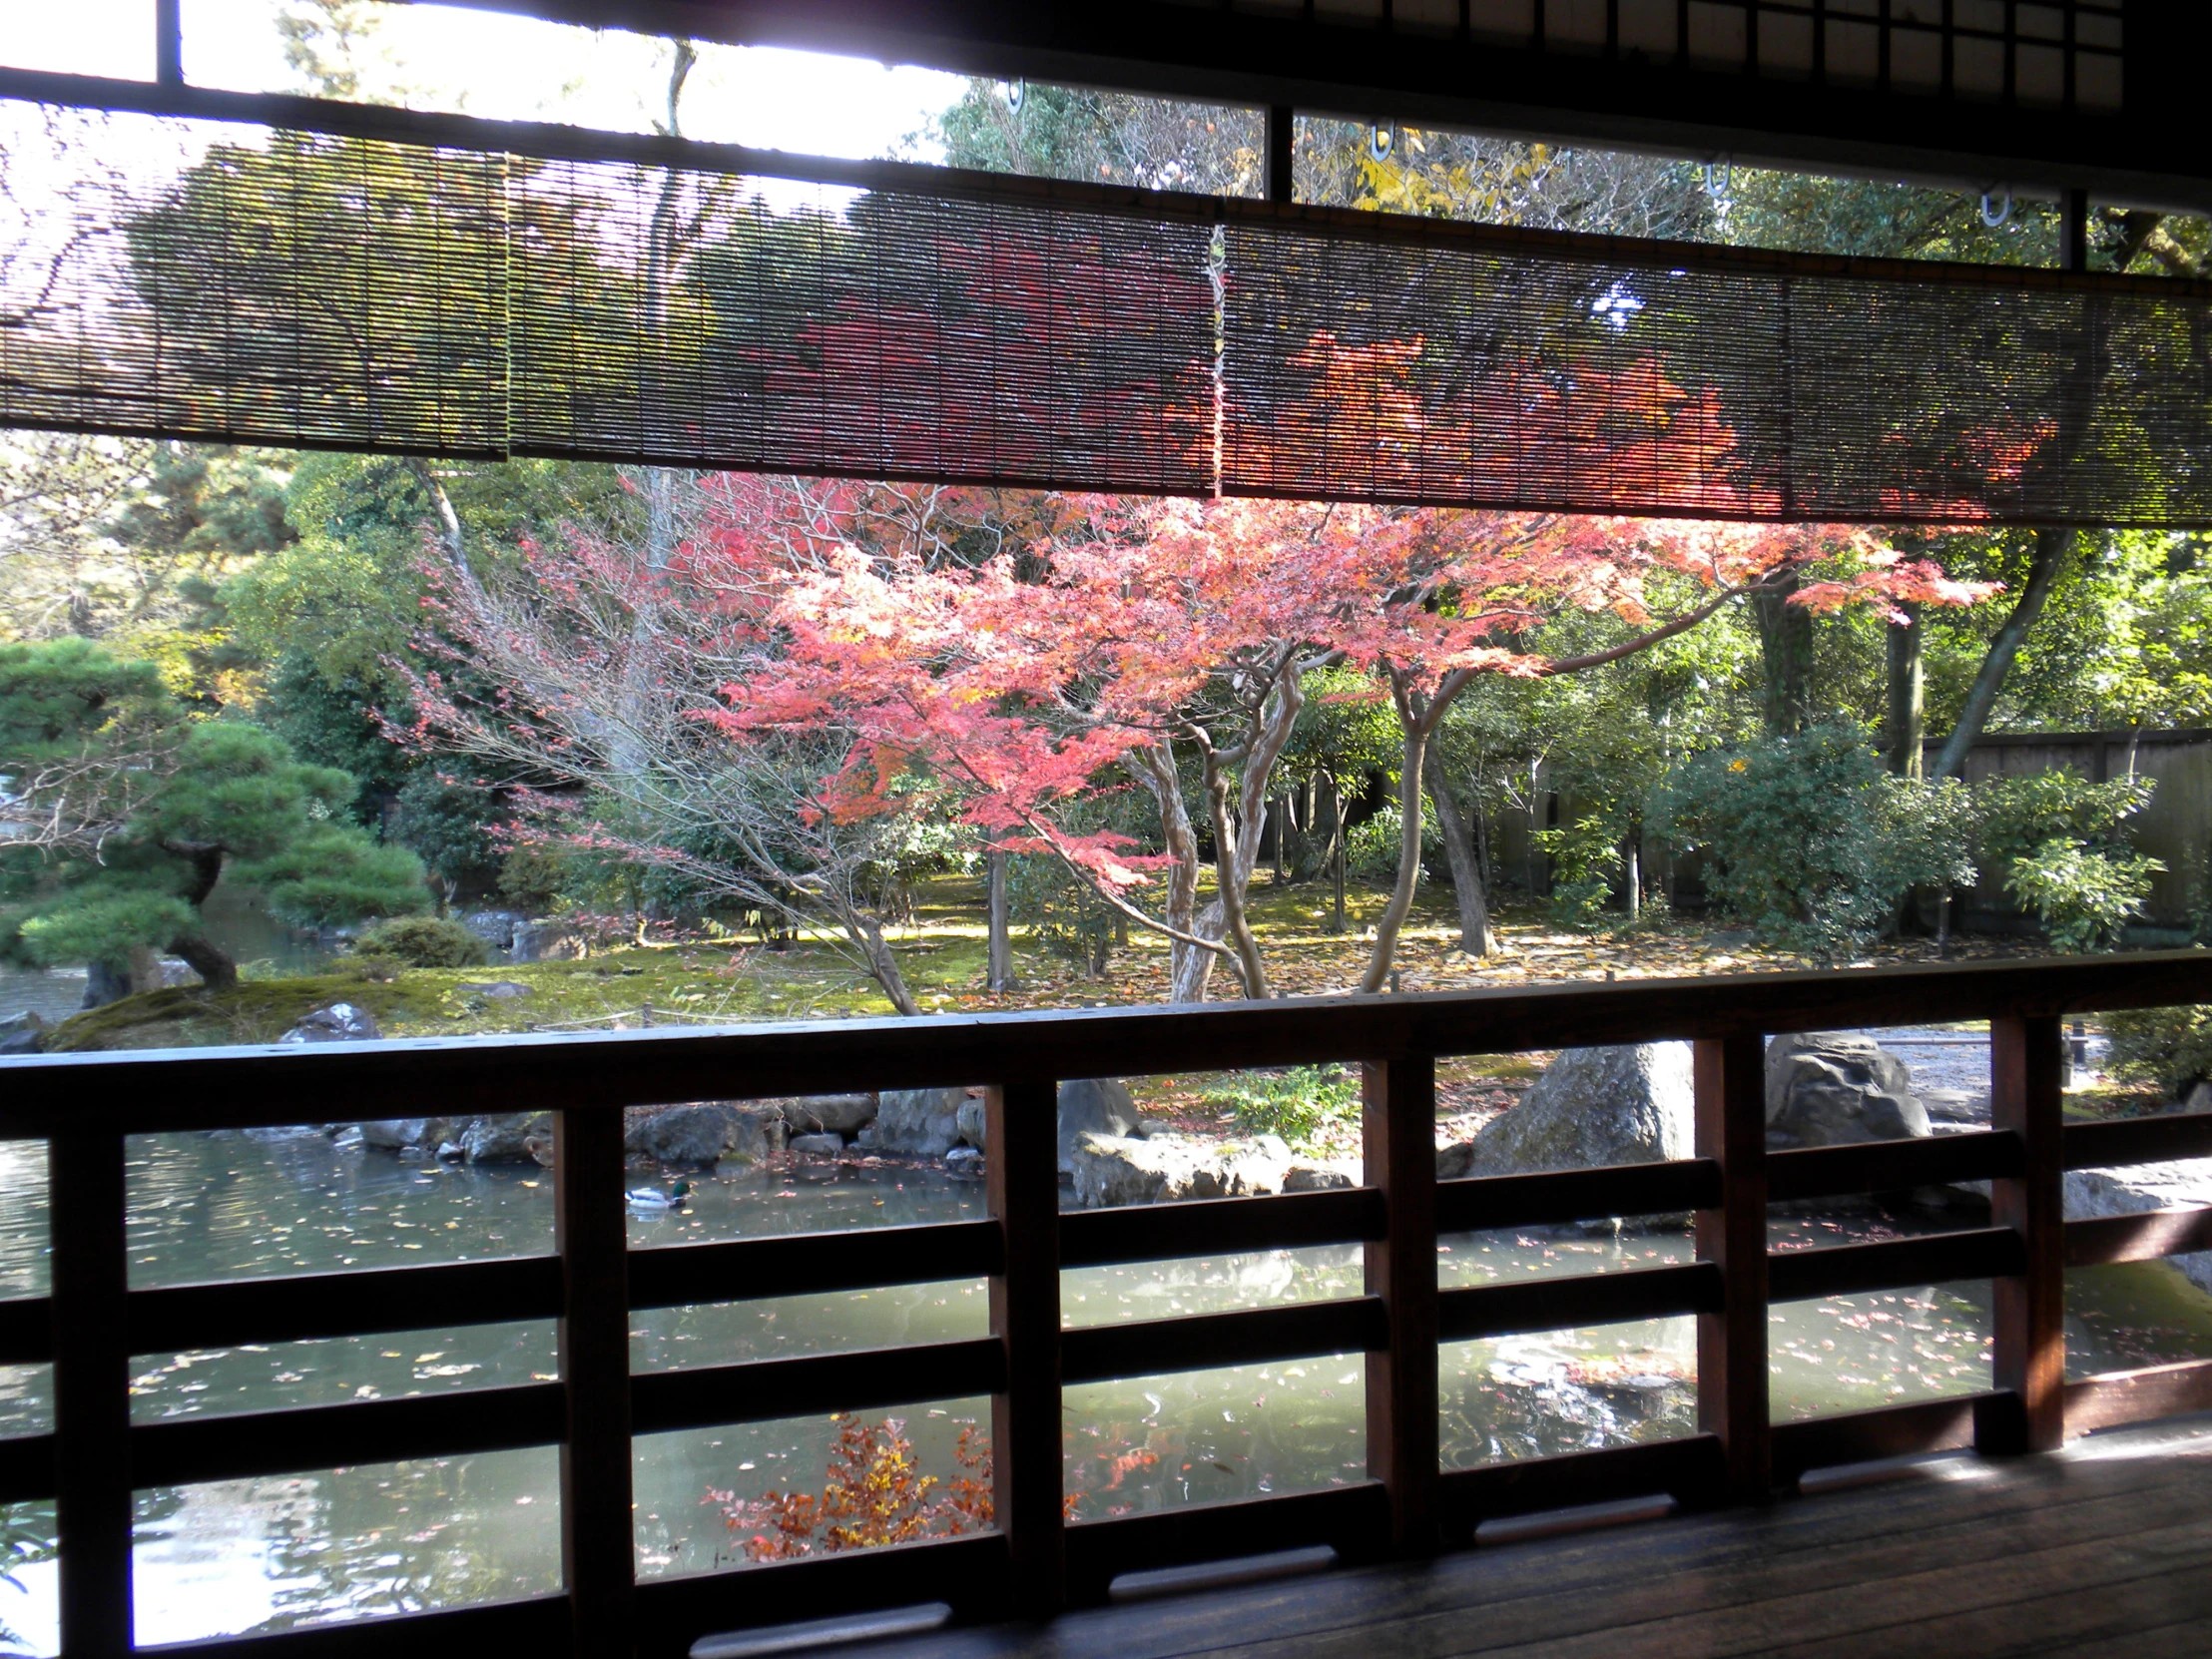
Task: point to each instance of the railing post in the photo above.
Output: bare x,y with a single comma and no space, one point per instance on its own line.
1732,1342
1021,1129
598,1563
2026,1096
1399,1141
92,1391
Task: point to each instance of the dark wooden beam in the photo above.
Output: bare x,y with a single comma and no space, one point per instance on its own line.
92,1390
1488,1201
2148,156
1399,1137
150,1092
1729,1077
1021,1164
591,1223
2029,1358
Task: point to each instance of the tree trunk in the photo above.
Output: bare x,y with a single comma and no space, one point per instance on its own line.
2051,547
1632,868
1413,758
1001,949
1476,937
1786,654
882,963
216,967
1337,857
1908,722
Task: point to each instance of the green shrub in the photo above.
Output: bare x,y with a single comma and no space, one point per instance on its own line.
1586,857
2171,1048
2084,896
2059,844
422,941
1303,1104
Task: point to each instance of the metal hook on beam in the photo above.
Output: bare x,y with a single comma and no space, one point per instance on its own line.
1995,217
1383,141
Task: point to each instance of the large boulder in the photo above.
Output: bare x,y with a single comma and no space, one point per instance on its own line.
503,1137
754,1134
340,1022
923,1123
829,1114
1835,1088
1113,1170
393,1134
969,1121
691,1134
547,942
1626,1105
1092,1106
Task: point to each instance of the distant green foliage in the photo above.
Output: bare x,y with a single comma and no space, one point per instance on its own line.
2084,897
424,941
1586,855
1302,1105
143,810
2171,1048
1372,845
1795,850
2059,844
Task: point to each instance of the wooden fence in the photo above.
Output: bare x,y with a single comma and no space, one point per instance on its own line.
93,1322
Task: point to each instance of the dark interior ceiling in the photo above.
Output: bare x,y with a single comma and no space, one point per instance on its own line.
2082,95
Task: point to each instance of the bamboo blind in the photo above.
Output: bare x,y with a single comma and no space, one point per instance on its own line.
223,282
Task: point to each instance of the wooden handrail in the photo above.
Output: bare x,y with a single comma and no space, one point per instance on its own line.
93,1322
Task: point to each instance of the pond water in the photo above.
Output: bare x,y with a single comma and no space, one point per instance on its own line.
245,1556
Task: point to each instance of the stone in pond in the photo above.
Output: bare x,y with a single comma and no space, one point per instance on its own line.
693,1134
1093,1106
1836,1088
340,1022
1631,1104
923,1123
818,1146
829,1114
504,1137
392,1134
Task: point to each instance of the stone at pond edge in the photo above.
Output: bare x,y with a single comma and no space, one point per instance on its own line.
1093,1106
392,1134
969,1121
828,1114
1113,1170
1633,1104
1837,1088
818,1146
503,1137
691,1134
340,1022
923,1123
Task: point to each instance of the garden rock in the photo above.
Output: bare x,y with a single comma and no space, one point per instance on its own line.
1836,1088
829,1114
1622,1105
1113,1170
964,1160
2184,1183
545,941
1318,1177
1454,1160
499,990
495,927
692,1134
392,1134
23,1033
340,1022
923,1123
969,1121
501,1137
818,1146
753,1134
1093,1106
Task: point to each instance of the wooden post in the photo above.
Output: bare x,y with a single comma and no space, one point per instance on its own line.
92,1392
1022,1165
1732,1342
1399,1135
1277,169
591,1233
2030,1349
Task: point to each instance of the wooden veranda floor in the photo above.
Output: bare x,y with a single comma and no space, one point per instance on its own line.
2102,1549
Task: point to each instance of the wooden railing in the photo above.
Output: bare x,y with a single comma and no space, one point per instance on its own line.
93,1322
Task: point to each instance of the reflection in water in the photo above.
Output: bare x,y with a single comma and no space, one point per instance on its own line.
264,1554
